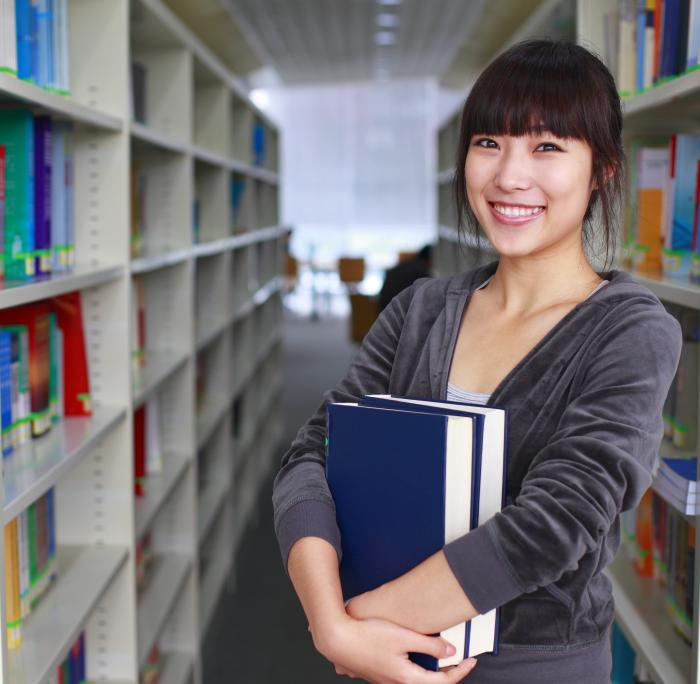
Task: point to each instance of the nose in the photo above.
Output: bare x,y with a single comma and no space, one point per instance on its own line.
513,171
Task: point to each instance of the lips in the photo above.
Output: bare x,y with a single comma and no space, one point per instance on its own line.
515,214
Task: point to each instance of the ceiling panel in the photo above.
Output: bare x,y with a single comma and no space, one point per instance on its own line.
322,40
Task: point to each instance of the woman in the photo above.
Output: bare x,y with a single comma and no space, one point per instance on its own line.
582,360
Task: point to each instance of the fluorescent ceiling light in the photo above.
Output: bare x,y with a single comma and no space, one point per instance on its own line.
384,38
387,20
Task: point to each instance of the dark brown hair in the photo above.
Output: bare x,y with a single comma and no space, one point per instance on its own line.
555,86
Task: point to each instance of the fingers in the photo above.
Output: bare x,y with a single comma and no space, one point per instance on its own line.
459,672
434,646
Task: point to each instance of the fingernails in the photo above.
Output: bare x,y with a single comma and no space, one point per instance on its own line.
472,662
451,650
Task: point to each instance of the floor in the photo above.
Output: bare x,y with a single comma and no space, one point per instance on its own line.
258,634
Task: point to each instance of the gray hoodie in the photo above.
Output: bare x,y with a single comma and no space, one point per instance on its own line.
584,428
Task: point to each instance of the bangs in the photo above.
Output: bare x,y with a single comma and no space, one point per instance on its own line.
545,91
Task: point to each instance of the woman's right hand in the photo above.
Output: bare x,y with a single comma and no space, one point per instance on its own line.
377,651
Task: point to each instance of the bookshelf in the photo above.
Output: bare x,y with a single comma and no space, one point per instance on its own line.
210,274
668,107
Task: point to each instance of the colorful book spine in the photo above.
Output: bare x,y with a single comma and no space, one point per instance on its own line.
140,451
6,391
24,39
42,194
12,596
17,135
70,198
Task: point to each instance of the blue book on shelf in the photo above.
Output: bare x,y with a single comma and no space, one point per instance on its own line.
43,19
669,41
683,471
413,472
6,391
684,182
258,144
23,18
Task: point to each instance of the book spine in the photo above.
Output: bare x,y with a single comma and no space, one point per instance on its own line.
43,42
640,40
649,38
12,607
53,366
25,416
69,199
24,40
42,194
34,33
9,28
58,198
65,61
6,391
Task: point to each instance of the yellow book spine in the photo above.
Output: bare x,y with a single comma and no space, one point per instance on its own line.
12,601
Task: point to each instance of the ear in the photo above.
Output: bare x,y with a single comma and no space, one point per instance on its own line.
609,173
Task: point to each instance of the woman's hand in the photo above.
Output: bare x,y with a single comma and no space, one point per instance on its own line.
377,651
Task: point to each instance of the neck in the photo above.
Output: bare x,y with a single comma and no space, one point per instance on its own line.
524,285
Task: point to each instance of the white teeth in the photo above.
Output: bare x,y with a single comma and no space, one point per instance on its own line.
517,211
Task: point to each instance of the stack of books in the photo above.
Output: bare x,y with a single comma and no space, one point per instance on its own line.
409,476
676,481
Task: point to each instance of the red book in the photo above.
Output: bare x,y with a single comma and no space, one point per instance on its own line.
140,451
36,318
76,383
658,27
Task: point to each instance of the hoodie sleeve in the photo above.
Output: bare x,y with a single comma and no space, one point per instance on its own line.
597,463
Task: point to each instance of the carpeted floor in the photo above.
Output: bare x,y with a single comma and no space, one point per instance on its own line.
258,634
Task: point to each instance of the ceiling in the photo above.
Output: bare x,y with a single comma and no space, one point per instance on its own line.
331,40
316,41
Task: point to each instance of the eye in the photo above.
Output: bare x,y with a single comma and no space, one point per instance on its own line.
486,143
555,148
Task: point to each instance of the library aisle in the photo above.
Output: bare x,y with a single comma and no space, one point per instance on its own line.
258,632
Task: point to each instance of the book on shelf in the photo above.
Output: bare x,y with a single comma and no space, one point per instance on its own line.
38,231
138,208
238,219
676,482
650,41
73,347
138,92
151,671
34,42
8,38
148,454
29,562
42,194
72,669
259,144
417,465
672,555
138,330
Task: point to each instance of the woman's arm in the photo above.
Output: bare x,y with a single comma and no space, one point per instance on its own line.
375,650
427,599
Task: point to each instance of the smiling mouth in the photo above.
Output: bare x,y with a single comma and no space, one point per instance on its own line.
511,211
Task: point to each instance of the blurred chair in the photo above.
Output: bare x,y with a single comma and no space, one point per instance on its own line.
407,256
351,271
291,273
364,311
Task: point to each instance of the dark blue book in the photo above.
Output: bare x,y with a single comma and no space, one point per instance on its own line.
490,443
669,40
23,18
401,481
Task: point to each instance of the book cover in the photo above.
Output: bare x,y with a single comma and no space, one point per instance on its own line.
412,471
42,194
69,168
17,135
627,56
23,555
669,38
13,612
36,318
6,391
23,15
684,174
140,451
8,26
693,50
652,173
76,383
58,197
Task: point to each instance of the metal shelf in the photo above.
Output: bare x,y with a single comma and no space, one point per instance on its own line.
16,292
155,603
210,502
158,488
13,88
152,263
177,667
148,135
36,466
159,367
210,416
84,574
640,612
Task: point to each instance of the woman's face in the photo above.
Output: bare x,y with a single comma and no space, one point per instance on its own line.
529,193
